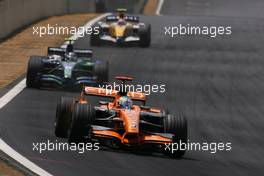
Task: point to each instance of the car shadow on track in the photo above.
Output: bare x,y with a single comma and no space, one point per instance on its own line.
144,152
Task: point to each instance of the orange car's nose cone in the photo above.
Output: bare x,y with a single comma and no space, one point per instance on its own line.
131,120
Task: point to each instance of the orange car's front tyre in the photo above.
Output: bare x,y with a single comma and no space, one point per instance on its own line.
83,116
63,116
177,126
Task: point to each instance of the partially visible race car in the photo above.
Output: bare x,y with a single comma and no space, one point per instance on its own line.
125,121
122,29
66,69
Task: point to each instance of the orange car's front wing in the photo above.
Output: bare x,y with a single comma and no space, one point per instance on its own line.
140,139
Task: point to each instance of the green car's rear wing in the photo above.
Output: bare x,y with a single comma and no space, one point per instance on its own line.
79,52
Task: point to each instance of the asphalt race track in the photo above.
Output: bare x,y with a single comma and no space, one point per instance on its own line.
217,82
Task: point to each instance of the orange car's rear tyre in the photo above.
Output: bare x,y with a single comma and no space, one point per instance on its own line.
63,116
83,116
176,125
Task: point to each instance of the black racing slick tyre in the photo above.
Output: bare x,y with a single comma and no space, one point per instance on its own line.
35,66
83,117
101,70
145,36
176,125
95,39
63,116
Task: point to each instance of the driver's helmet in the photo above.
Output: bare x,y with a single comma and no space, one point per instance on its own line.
121,22
125,102
71,56
121,15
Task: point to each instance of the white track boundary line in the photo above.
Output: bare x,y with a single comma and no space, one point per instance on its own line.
10,95
161,2
22,160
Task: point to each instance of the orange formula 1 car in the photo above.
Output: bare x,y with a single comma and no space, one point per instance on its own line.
120,121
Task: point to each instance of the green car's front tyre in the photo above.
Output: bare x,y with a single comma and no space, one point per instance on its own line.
35,66
101,70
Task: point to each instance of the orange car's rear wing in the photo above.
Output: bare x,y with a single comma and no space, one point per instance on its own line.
97,91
